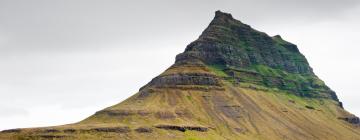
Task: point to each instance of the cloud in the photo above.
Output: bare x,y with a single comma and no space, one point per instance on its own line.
71,25
7,111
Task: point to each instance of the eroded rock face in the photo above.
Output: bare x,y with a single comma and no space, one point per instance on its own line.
123,113
352,119
185,79
182,128
112,129
250,56
144,130
69,130
163,115
49,137
11,131
231,43
50,131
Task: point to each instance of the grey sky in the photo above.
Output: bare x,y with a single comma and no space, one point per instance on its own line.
62,60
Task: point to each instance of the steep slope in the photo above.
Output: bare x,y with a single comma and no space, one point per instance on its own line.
233,82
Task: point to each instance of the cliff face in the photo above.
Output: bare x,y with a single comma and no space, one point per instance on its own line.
232,44
233,82
249,56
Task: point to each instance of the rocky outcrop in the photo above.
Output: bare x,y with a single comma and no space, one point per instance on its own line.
50,131
231,43
116,112
250,56
144,130
112,129
49,137
173,80
182,128
352,120
163,115
69,130
123,113
11,131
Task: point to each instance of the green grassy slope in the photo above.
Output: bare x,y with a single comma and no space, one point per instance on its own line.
226,112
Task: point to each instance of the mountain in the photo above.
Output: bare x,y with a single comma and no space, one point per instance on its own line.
233,82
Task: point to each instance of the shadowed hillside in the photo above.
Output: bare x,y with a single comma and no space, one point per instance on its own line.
233,82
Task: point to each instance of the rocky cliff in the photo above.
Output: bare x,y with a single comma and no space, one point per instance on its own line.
247,55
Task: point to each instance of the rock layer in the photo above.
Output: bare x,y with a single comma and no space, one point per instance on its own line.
248,55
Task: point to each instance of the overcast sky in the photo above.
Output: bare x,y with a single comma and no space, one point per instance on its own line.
63,60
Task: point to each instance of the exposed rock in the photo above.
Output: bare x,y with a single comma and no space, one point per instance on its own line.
50,136
182,128
45,136
231,43
117,112
351,119
144,130
69,130
185,79
143,93
50,131
341,105
124,113
250,56
112,129
11,131
309,107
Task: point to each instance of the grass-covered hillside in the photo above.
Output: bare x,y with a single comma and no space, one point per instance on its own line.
233,83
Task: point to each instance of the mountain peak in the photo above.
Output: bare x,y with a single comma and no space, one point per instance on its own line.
233,82
236,49
224,19
223,15
248,47
278,36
